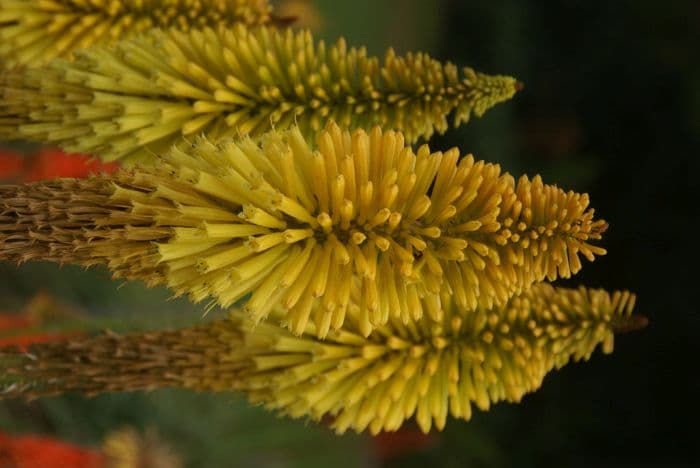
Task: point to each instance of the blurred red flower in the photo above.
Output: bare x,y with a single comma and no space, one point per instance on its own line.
51,163
22,342
10,321
11,164
43,452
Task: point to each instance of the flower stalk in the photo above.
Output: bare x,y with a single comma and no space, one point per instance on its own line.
298,226
420,369
141,96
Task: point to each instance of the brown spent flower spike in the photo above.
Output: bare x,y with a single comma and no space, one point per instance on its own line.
299,226
420,369
33,32
141,96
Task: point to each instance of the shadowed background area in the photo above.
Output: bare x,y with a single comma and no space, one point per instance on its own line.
611,106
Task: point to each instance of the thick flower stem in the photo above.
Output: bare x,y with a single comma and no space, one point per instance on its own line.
141,96
299,227
418,369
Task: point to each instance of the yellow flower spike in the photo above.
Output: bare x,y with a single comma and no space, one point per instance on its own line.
33,32
187,223
418,370
140,96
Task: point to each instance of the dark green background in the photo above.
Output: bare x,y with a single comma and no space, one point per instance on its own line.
611,106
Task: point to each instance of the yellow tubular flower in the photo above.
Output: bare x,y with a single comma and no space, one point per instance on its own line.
33,32
400,371
140,96
299,226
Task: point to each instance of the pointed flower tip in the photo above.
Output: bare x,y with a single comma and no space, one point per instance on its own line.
490,90
359,214
630,324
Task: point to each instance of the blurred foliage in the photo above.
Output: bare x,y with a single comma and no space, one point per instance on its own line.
611,106
206,430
